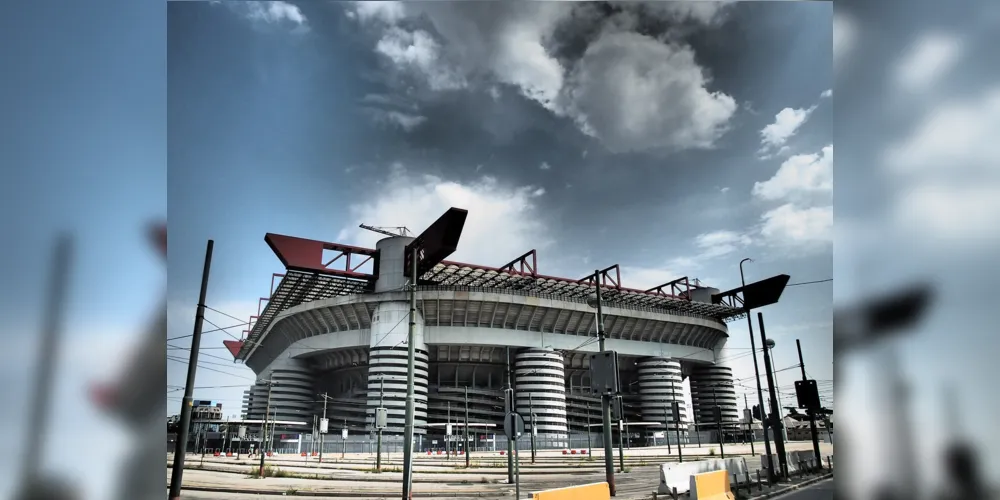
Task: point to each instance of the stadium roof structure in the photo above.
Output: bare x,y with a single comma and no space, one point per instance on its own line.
307,278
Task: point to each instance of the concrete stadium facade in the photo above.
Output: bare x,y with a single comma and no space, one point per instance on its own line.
350,344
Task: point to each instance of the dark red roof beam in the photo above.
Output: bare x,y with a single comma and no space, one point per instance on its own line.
616,281
300,254
680,287
522,262
234,346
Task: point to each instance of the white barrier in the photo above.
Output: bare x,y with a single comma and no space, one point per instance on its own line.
678,475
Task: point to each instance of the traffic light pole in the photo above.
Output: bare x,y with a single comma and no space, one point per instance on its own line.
186,403
779,444
811,412
609,465
760,390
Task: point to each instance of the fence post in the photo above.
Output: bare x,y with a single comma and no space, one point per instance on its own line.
760,487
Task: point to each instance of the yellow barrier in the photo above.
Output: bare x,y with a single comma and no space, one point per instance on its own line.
711,486
593,491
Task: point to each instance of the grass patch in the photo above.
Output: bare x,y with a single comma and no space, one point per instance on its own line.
291,491
711,452
626,470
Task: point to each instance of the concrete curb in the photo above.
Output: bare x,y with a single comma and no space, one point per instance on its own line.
794,487
342,494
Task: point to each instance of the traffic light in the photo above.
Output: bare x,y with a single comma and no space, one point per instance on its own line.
756,412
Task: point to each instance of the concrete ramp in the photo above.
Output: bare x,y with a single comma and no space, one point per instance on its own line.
592,491
711,486
678,475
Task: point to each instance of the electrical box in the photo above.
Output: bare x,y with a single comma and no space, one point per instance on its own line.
381,417
807,395
324,425
604,372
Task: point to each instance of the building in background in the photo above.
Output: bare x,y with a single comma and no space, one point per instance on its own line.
336,323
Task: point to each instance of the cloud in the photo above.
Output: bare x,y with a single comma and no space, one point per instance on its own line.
799,175
797,228
644,278
631,91
503,221
394,118
270,13
719,243
827,94
845,35
959,217
932,56
786,123
960,134
636,93
545,166
725,189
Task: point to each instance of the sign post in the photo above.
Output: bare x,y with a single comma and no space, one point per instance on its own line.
513,427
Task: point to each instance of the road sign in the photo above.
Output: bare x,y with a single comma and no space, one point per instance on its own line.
807,394
717,414
324,425
437,242
343,434
604,372
676,408
513,425
447,429
381,416
617,408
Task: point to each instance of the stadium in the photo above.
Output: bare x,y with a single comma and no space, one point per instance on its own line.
334,330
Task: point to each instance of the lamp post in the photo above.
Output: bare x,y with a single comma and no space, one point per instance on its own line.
770,348
609,465
756,372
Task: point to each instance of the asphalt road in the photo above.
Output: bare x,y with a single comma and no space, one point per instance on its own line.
822,490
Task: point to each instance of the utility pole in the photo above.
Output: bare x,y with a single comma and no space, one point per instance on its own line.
590,448
760,391
609,465
410,406
779,443
509,407
267,411
378,452
321,435
811,412
531,412
186,403
465,445
749,422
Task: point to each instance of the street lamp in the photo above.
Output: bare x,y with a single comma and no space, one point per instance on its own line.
770,347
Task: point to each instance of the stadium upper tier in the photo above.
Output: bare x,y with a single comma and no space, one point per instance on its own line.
308,280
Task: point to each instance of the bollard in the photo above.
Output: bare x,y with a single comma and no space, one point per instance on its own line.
736,483
829,463
746,474
760,487
673,493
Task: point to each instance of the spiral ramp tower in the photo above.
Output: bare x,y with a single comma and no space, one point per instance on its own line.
713,385
540,385
660,384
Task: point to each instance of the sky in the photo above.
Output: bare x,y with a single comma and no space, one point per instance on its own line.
672,139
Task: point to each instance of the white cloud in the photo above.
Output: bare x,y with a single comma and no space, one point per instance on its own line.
420,53
394,118
930,57
798,228
725,189
957,216
719,243
489,236
799,175
644,278
545,166
786,123
845,36
275,12
827,93
955,136
636,93
630,91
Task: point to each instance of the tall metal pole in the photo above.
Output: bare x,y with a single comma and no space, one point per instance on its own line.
718,422
666,427
621,436
811,412
321,435
779,444
531,413
784,431
465,445
410,406
609,464
343,453
267,411
447,437
378,452
760,391
590,448
186,403
509,405
749,422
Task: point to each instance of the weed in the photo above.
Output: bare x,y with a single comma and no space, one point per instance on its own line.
291,491
711,452
484,480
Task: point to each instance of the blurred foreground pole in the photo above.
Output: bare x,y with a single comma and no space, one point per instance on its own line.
44,369
811,412
779,444
177,473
